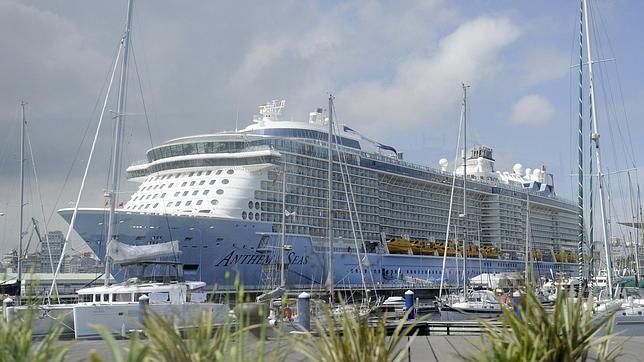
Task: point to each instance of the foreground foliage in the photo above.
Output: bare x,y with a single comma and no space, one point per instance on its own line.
348,336
17,344
570,333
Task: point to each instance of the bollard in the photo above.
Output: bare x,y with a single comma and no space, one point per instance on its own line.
144,301
8,312
304,310
516,300
409,303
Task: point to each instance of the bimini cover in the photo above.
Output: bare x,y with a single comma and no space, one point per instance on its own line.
123,253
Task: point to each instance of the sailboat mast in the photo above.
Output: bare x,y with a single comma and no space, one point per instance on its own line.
22,187
118,131
580,151
330,278
465,188
527,239
595,139
283,236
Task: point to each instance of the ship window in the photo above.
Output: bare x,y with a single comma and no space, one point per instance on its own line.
205,192
250,204
146,206
171,184
218,172
257,216
250,215
257,205
208,173
204,212
169,204
183,184
199,173
156,186
188,203
195,192
163,195
230,172
176,194
191,174
155,205
220,191
177,203
244,215
192,183
199,202
155,196
214,202
162,186
225,181
177,175
212,182
202,182
185,193
140,206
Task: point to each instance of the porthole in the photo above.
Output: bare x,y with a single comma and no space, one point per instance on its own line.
218,172
195,192
192,183
184,184
177,203
155,205
230,172
250,204
257,205
257,216
199,202
202,182
225,181
176,194
212,182
214,202
188,202
250,216
244,215
185,193
220,192
205,192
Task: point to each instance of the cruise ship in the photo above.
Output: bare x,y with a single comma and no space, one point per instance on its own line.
221,196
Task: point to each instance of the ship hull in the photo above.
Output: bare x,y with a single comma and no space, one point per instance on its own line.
223,252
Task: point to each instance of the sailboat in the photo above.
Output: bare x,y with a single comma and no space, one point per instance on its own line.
481,303
115,306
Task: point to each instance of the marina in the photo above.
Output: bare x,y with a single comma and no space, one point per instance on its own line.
327,230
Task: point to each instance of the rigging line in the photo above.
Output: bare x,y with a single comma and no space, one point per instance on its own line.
451,203
343,161
80,192
42,207
619,87
145,109
80,145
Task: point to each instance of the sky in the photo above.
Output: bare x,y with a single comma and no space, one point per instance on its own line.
394,67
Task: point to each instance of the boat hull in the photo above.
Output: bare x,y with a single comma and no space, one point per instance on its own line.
221,251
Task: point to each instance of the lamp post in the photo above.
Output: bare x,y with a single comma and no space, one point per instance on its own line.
200,252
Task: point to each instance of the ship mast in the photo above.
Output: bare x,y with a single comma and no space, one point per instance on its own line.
595,139
22,189
116,151
330,277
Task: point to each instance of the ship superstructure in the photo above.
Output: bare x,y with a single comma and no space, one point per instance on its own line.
203,189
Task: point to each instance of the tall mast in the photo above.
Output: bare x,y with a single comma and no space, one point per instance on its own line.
329,277
580,151
527,239
465,279
22,187
595,139
118,130
283,236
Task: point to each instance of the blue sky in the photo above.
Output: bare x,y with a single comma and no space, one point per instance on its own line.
394,67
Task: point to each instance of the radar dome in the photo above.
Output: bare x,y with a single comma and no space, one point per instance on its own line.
517,168
443,164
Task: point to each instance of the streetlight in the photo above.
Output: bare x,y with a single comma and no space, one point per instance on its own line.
200,252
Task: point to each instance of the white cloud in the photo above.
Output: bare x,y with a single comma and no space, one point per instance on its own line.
532,110
423,89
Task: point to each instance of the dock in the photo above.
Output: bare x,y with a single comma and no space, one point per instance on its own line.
423,348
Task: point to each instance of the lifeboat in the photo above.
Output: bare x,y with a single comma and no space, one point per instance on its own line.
422,247
398,246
